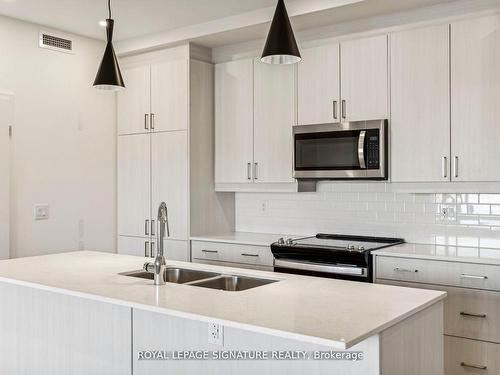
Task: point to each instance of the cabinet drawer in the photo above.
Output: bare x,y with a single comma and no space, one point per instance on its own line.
465,356
234,253
470,313
465,275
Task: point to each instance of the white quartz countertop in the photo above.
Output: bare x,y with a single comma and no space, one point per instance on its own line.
442,252
329,312
243,238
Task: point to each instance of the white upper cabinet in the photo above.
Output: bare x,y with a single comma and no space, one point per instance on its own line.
234,122
169,95
169,177
133,103
420,105
319,85
274,117
134,188
364,79
475,72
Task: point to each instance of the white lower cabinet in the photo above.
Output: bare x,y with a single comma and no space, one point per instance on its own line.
471,309
137,246
233,255
464,356
61,334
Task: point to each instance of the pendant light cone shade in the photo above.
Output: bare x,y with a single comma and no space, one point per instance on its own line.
109,76
281,47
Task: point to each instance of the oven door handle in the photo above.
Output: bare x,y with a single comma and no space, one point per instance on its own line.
325,268
361,149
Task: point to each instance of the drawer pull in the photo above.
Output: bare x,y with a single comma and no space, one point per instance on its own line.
210,251
397,269
463,313
250,255
478,367
467,276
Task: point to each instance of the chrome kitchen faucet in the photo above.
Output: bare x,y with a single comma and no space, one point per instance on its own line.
159,266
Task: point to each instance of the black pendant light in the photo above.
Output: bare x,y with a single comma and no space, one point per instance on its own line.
281,47
109,76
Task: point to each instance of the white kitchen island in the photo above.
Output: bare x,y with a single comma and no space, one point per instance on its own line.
74,313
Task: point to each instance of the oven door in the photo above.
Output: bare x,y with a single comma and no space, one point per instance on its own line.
340,151
332,271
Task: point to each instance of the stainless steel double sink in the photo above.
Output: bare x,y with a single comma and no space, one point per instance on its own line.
204,279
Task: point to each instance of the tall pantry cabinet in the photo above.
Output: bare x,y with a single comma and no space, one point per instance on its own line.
165,120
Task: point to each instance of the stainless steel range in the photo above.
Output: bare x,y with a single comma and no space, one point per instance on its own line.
330,255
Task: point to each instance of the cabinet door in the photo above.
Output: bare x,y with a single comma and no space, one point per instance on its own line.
134,188
420,105
133,103
364,79
169,95
475,122
274,117
233,121
170,180
136,246
319,85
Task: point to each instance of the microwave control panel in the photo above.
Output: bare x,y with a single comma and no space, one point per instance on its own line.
373,149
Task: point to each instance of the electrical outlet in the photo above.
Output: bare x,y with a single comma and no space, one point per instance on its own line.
216,334
447,213
41,211
263,207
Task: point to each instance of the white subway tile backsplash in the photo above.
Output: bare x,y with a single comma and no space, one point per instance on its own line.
472,220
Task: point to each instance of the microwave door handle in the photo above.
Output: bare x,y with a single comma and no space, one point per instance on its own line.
361,149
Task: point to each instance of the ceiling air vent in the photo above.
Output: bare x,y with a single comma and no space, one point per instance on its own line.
56,43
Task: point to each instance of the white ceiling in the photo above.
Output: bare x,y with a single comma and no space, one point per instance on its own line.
136,18
133,18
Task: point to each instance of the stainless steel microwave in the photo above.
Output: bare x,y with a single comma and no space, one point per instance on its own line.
343,151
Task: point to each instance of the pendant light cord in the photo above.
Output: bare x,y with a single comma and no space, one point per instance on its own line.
109,8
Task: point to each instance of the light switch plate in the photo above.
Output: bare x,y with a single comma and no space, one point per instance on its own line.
41,211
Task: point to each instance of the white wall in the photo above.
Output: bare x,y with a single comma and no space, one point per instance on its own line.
64,147
375,209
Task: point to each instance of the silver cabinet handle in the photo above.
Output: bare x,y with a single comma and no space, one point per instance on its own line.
255,169
397,269
456,167
210,251
250,255
146,249
153,227
445,167
361,149
152,121
463,313
249,171
146,227
152,253
344,109
477,367
335,109
146,121
467,276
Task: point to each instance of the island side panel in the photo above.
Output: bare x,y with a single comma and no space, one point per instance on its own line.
155,331
47,333
415,345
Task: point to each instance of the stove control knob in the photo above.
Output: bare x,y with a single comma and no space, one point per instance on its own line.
289,242
281,241
361,248
350,247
